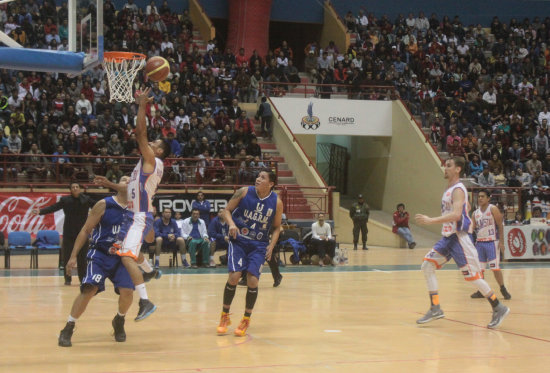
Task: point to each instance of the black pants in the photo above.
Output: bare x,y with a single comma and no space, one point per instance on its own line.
322,247
273,265
81,262
360,225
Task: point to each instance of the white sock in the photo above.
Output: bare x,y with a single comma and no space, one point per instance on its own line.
121,314
157,258
142,291
182,258
211,257
71,319
146,266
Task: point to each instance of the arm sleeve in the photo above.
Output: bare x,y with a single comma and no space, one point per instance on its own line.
55,207
202,229
329,231
174,225
185,229
156,227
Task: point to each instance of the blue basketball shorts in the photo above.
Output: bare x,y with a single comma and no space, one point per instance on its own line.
461,249
488,253
101,266
244,254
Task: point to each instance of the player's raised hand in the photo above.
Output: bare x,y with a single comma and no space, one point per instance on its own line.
422,219
143,98
101,180
233,231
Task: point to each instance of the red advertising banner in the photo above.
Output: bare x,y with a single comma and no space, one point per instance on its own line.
16,213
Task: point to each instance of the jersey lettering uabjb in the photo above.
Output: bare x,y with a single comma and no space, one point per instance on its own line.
461,225
105,233
486,229
254,215
143,186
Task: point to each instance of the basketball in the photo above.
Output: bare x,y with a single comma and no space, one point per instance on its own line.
157,69
327,260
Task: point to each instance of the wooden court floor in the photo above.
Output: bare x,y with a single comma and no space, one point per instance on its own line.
359,317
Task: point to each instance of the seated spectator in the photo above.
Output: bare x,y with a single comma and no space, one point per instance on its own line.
475,166
400,225
114,173
218,231
168,236
322,241
486,178
533,165
8,165
196,237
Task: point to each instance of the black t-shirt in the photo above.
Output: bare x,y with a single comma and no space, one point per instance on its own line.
76,213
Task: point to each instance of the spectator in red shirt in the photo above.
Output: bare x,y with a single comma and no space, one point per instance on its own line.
241,58
167,128
400,225
244,128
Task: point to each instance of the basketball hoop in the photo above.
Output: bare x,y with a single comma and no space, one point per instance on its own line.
122,68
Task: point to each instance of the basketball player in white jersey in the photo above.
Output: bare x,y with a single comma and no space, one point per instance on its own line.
487,222
457,244
138,222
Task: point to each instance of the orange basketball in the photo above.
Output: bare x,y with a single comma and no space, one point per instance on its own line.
157,69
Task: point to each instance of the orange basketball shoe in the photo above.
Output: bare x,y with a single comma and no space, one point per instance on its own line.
224,323
241,329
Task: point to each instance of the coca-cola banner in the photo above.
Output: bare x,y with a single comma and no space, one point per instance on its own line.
16,213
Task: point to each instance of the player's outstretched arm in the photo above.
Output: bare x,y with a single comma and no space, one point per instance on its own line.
93,219
276,229
104,182
232,205
141,131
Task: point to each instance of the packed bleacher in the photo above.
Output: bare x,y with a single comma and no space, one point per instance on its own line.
66,128
478,90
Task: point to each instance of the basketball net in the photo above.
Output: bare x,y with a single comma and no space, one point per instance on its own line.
121,69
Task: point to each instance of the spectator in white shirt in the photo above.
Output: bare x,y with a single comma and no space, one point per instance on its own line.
544,114
322,241
83,102
490,97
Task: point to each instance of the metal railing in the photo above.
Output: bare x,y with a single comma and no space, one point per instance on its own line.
50,170
360,92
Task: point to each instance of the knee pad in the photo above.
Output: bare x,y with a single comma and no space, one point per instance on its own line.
427,267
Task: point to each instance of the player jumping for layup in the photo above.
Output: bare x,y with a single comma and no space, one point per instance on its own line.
138,221
103,224
457,244
487,223
251,214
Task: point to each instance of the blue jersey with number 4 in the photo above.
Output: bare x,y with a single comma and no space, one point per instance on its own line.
105,233
254,215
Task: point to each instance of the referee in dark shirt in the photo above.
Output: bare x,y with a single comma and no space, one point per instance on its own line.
76,208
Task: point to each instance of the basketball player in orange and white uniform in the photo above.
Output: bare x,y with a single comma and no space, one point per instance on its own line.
138,220
487,223
456,243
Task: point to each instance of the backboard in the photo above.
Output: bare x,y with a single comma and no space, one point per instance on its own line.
85,22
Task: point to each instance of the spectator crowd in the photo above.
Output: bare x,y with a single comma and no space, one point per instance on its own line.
480,91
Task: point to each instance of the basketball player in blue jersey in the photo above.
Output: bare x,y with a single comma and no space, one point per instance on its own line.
103,224
457,244
487,223
251,215
138,221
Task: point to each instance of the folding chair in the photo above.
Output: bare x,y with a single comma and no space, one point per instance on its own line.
47,241
20,242
285,235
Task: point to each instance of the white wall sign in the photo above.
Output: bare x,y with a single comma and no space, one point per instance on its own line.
314,116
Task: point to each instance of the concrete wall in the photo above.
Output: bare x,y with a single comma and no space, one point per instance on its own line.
334,29
414,174
303,170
